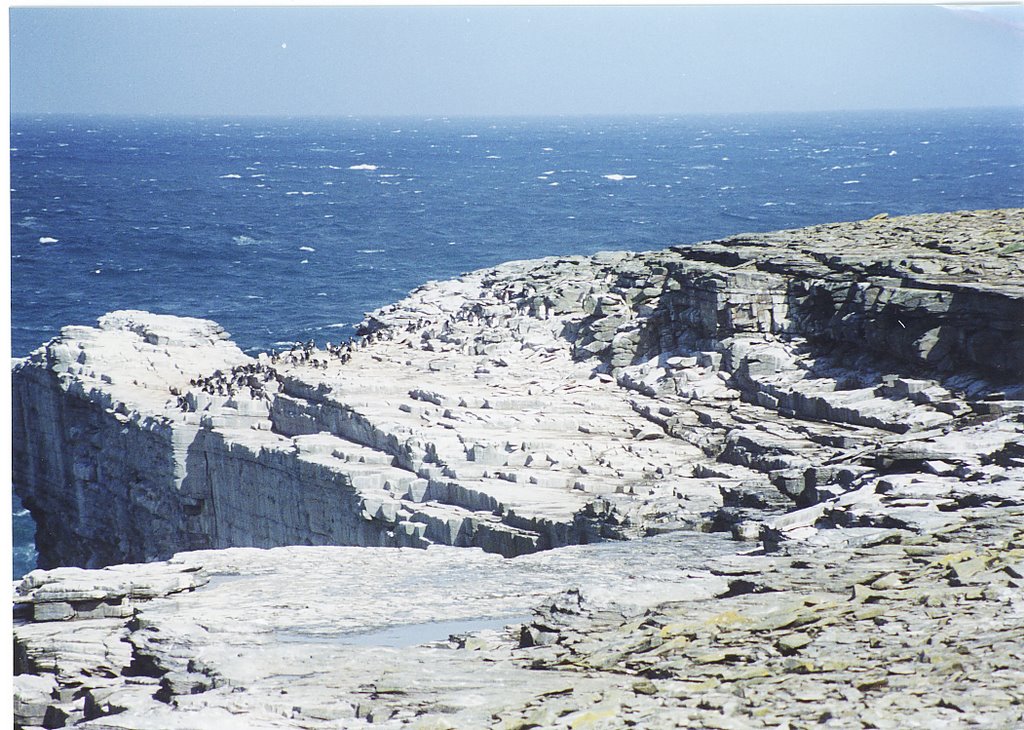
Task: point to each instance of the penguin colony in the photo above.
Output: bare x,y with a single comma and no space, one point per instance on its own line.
254,377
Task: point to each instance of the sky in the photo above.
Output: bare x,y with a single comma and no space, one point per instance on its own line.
513,60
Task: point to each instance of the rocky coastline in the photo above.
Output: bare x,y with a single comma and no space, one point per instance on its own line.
775,480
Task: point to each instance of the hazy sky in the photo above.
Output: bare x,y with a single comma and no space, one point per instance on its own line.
513,60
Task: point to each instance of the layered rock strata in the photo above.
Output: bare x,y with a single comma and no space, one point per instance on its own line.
848,398
540,403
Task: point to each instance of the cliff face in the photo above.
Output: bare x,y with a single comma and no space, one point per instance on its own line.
540,403
106,475
846,399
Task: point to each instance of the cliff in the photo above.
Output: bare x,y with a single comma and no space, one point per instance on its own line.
849,394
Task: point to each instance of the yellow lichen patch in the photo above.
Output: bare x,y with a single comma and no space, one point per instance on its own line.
590,718
888,582
677,628
947,560
746,673
869,612
729,617
672,645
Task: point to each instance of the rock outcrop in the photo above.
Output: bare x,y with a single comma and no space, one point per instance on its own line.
848,399
537,404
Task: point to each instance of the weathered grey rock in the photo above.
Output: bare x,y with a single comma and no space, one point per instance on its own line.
844,400
314,637
33,695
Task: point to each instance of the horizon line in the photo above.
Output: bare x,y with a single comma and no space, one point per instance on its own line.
504,115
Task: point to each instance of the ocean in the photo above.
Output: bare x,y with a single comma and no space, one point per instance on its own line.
285,229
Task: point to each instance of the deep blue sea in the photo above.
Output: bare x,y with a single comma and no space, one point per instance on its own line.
290,229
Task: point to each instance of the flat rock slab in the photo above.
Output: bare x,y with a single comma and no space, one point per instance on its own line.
308,636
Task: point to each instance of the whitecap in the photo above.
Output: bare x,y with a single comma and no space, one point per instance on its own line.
230,176
304,261
547,149
851,182
470,136
493,157
617,177
306,248
47,239
892,153
369,250
548,172
552,184
363,166
769,204
321,294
